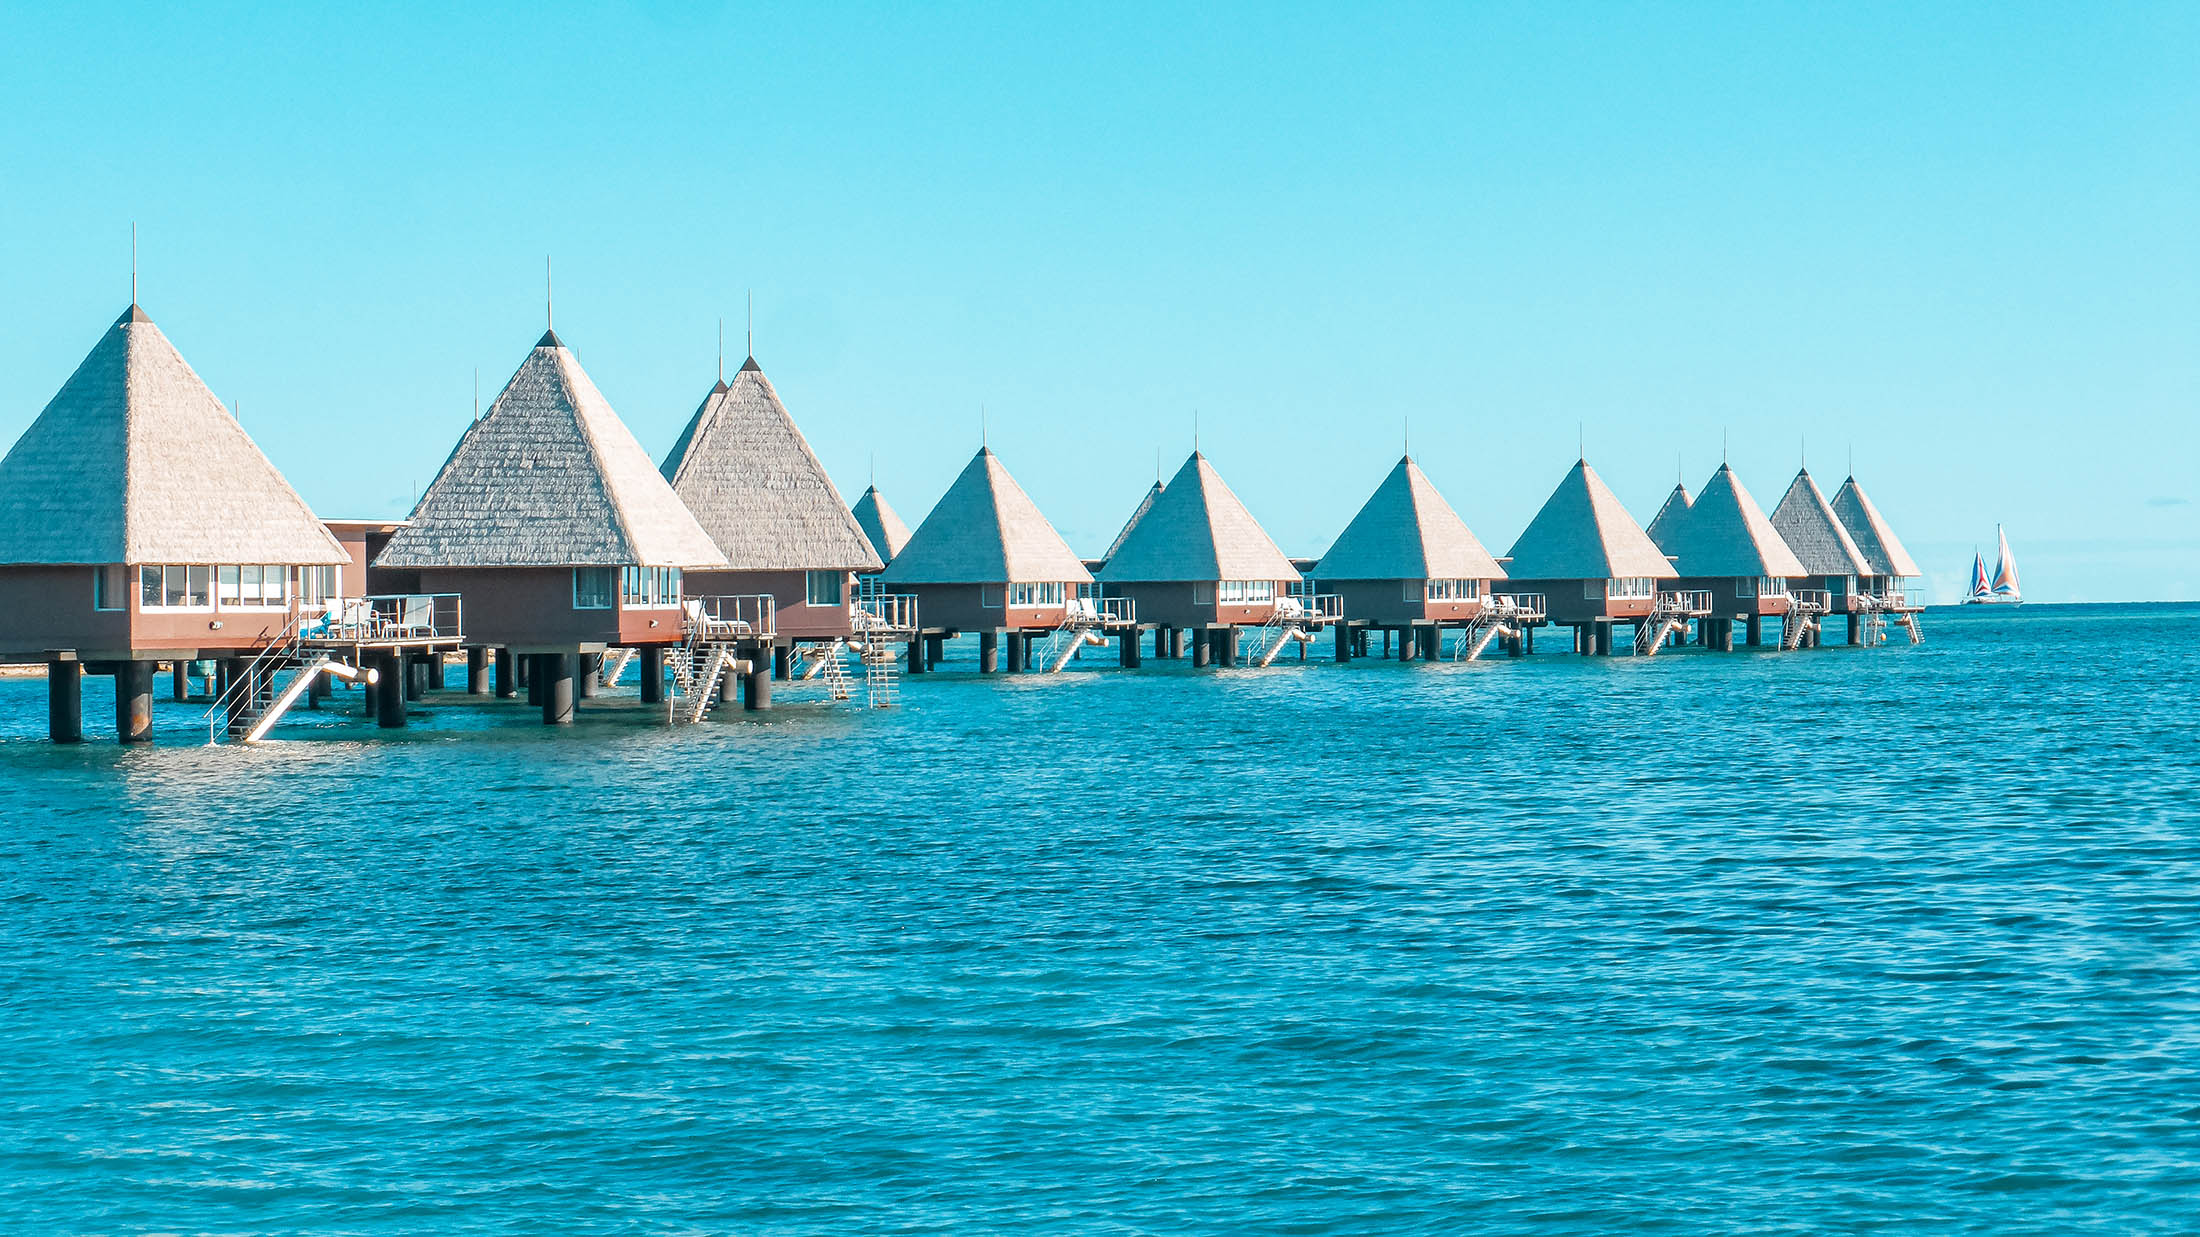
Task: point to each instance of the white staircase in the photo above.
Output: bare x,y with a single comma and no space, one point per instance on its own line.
615,663
837,683
881,673
238,710
1669,612
1804,607
698,668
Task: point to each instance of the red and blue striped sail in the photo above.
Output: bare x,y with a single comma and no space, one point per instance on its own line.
1979,585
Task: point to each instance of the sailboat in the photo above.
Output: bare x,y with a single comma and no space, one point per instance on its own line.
1999,589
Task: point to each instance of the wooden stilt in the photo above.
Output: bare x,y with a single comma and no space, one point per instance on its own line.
989,652
653,674
134,701
477,671
558,670
389,692
506,674
65,701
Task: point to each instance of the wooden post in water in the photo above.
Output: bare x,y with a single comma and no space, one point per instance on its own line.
134,701
557,670
756,688
989,651
389,692
587,674
65,701
477,671
179,680
1756,630
506,675
653,674
1016,651
1342,635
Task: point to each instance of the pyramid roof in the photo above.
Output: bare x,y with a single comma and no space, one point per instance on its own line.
1145,504
135,461
550,477
881,524
1670,514
1881,548
1727,534
1808,524
985,530
1583,532
755,486
1197,530
1406,531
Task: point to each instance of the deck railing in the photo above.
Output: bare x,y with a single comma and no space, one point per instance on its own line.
1684,601
1524,606
1815,600
742,616
886,612
1315,608
410,618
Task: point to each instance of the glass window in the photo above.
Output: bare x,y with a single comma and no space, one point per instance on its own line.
201,586
149,590
1203,594
1745,588
989,598
1260,590
823,588
225,585
1773,586
250,586
592,588
110,588
649,586
274,584
1632,586
316,584
1593,590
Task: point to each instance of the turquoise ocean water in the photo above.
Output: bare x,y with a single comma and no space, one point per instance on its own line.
1902,939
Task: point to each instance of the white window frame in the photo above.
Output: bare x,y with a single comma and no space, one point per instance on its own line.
1035,593
989,597
1772,586
813,595
1633,588
319,584
1746,587
610,592
161,572
649,588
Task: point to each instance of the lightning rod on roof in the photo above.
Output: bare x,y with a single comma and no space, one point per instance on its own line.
133,261
721,349
752,323
477,393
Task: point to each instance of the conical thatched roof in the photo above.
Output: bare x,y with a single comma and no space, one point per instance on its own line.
1807,523
135,461
1197,530
1670,514
756,487
881,525
1145,504
1584,533
1881,548
550,477
1406,531
1726,534
985,530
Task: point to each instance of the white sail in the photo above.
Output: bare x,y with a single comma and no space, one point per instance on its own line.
2005,571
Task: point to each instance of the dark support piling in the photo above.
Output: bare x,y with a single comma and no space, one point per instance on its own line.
557,672
653,674
587,675
782,662
179,679
1756,630
65,701
506,673
1856,628
934,650
224,670
1203,647
1226,646
756,688
915,652
389,693
434,671
477,671
415,674
1405,644
1342,634
729,685
134,701
1016,650
1432,644
531,674
1528,635
989,651
1129,653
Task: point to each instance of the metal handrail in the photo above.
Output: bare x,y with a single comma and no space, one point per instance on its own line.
1811,597
1686,601
742,616
1314,608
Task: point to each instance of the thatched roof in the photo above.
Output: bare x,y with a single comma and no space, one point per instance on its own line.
135,461
881,525
1881,548
1807,523
1726,534
985,530
756,487
1406,531
1670,514
1584,533
550,477
1197,530
1145,504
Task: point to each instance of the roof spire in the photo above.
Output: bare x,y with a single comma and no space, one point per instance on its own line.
549,296
133,261
983,445
752,324
1722,446
1409,437
1195,431
1581,442
721,348
477,393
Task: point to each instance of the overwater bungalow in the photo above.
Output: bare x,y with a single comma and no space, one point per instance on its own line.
1726,548
1197,561
1832,562
882,526
752,482
140,524
1892,568
985,560
554,527
1588,560
1408,565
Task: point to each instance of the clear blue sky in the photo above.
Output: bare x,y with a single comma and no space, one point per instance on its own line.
1964,240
